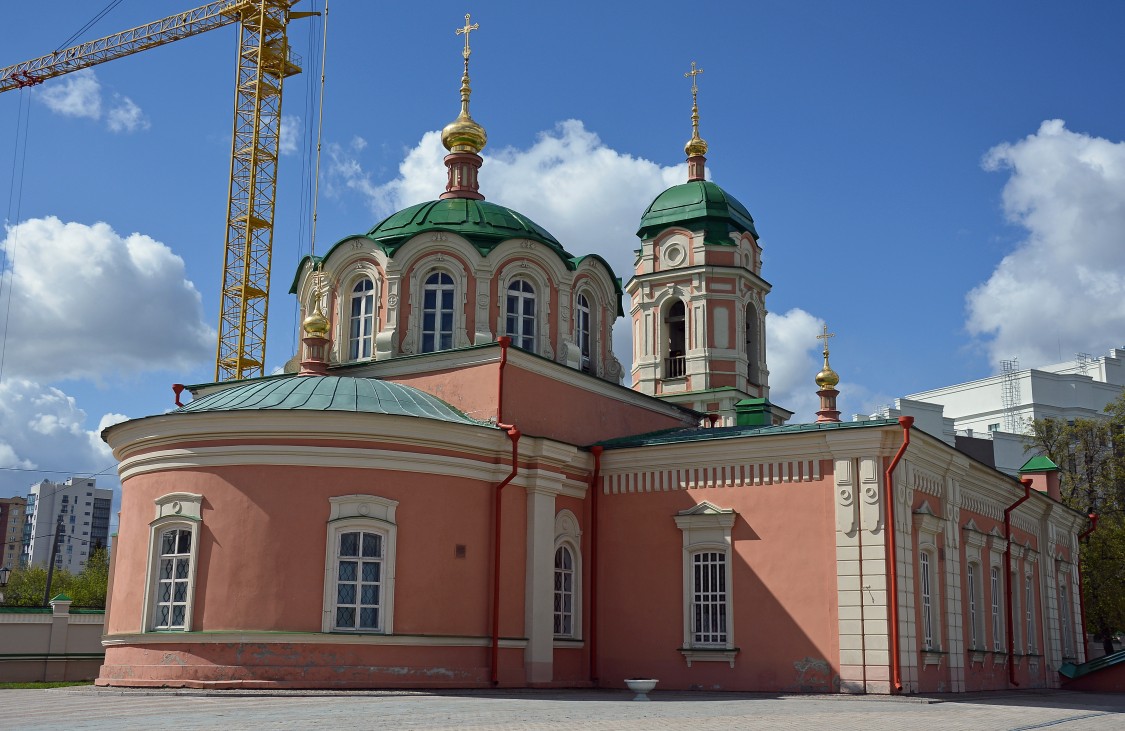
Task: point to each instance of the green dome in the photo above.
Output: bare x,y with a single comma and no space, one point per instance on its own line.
484,224
328,393
694,205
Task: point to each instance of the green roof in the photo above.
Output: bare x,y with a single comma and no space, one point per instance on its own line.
482,223
1039,464
1072,671
697,434
698,204
329,393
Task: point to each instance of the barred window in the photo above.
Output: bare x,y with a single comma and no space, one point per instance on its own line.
1029,608
709,598
173,580
1064,619
997,632
975,633
564,592
927,608
359,581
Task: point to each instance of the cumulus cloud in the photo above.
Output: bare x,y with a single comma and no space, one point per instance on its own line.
126,116
42,428
793,360
289,134
1064,284
78,94
87,302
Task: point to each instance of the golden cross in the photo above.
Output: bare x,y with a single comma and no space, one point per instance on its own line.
824,336
465,31
693,73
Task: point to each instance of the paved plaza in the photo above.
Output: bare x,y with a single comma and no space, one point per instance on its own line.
87,707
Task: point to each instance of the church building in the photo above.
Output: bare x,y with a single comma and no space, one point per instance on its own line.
453,489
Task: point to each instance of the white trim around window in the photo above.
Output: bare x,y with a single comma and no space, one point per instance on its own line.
173,558
567,578
708,589
359,566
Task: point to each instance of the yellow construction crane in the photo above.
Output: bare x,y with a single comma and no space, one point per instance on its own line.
264,61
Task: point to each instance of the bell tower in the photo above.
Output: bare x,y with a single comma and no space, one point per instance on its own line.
698,297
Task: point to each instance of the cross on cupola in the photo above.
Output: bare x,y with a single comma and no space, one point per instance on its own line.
827,380
696,147
463,137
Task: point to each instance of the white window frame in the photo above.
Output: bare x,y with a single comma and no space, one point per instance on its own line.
925,579
975,595
174,511
569,537
995,593
707,529
527,292
1065,628
1029,610
361,346
360,513
585,318
439,332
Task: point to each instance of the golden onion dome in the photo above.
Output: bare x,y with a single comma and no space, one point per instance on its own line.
316,324
827,378
464,135
695,146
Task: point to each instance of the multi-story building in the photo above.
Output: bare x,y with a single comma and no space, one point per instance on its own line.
11,530
81,508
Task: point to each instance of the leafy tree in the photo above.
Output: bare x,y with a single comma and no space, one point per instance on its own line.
87,588
1090,454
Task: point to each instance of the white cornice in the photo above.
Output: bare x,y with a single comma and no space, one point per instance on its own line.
303,638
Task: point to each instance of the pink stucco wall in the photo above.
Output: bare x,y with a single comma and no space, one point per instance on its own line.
784,584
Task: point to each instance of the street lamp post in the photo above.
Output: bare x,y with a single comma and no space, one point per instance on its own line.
5,574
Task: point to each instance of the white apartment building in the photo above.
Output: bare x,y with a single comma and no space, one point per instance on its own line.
80,507
999,408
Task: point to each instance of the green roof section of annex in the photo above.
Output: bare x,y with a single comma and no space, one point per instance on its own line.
329,393
700,434
694,205
1038,464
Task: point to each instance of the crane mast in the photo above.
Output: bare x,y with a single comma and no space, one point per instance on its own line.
264,61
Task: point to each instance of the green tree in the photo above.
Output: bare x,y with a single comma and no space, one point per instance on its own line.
87,588
1090,454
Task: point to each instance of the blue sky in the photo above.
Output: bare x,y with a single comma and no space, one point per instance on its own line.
900,160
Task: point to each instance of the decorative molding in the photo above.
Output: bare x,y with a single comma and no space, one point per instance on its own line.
696,478
303,638
718,655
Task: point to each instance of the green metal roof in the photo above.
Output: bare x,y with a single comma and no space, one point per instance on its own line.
329,393
482,223
1072,671
699,434
694,205
1039,464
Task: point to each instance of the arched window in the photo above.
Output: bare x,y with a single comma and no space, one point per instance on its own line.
520,325
582,330
674,325
564,592
753,343
437,313
361,327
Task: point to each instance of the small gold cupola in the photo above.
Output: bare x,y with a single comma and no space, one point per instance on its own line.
696,147
827,380
463,137
316,327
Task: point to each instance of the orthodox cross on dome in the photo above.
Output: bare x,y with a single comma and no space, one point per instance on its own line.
825,335
465,31
696,147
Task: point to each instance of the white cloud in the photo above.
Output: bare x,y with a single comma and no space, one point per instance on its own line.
88,303
289,134
358,143
793,360
77,94
126,116
43,428
1063,287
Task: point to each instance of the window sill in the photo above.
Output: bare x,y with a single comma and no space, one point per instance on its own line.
718,654
976,656
932,657
567,643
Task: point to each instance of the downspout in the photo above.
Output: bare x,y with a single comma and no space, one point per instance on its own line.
1081,595
1008,577
514,435
594,490
892,564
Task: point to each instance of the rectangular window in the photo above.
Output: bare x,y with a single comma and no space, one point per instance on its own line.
974,618
997,635
709,598
172,579
1064,619
1029,607
994,427
927,609
359,581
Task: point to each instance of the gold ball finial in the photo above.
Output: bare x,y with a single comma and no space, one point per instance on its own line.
316,324
827,378
463,134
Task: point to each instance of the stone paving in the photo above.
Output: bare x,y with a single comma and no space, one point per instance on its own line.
87,707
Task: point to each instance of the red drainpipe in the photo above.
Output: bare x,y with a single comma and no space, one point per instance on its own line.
1081,595
1026,482
892,567
594,490
514,435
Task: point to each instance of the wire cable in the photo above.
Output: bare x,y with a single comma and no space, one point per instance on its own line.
89,24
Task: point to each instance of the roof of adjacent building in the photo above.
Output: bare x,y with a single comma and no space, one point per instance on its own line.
1039,464
694,205
329,393
696,434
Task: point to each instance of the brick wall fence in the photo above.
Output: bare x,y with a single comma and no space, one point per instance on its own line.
39,644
